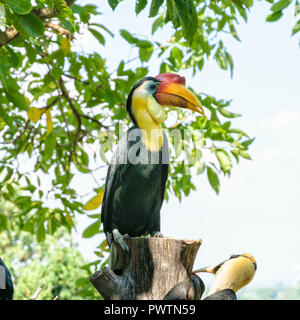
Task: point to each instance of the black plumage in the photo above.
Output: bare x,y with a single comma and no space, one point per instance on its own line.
134,192
6,284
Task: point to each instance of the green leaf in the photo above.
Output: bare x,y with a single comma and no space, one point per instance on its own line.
120,69
32,24
296,28
103,27
176,54
97,35
227,114
30,52
239,132
274,16
92,229
50,4
171,14
6,117
230,62
145,53
65,10
8,175
155,5
94,216
247,143
29,225
140,5
10,189
233,30
40,232
143,43
156,24
17,99
213,179
221,60
245,155
50,145
188,17
280,5
224,160
127,36
19,6
113,3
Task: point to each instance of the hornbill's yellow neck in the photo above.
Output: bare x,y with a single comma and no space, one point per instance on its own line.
149,115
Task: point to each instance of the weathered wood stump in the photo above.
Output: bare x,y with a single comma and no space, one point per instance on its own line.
154,269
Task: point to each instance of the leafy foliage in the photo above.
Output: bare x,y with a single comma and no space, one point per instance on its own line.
277,9
277,292
56,265
61,109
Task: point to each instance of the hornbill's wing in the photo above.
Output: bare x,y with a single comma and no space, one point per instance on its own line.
117,170
113,180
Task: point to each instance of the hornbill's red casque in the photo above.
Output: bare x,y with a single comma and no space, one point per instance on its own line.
136,178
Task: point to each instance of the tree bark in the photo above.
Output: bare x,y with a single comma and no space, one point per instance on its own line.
154,269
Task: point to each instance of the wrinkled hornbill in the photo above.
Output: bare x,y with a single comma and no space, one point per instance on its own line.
136,178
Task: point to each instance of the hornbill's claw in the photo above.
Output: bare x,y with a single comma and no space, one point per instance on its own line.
157,234
119,238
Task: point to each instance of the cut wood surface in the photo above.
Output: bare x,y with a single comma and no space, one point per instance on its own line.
154,269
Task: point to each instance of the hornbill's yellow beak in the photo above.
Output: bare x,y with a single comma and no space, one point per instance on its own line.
171,91
210,269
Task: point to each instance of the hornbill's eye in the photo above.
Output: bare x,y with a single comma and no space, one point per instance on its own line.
152,87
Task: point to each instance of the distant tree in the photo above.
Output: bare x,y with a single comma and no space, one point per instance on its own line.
277,292
55,264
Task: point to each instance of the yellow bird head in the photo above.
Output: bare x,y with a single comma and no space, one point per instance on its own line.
148,97
234,273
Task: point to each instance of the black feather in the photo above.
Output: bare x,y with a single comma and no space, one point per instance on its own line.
134,193
8,291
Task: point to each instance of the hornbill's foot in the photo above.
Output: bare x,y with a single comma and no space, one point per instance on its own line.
119,238
157,234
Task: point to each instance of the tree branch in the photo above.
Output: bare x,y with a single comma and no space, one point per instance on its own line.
59,29
37,293
8,35
46,13
43,13
82,81
74,109
100,124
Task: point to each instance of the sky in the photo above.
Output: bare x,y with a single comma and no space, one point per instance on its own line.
257,210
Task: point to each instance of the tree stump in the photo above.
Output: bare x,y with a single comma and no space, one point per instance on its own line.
154,269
